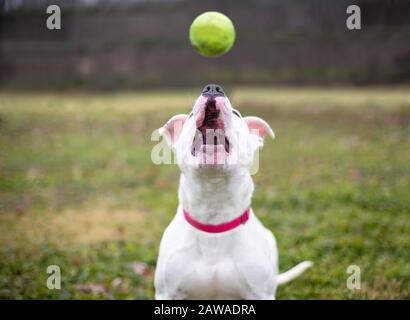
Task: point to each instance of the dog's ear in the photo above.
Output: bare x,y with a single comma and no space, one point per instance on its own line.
172,129
259,128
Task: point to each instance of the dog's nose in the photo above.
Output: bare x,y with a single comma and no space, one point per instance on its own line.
213,90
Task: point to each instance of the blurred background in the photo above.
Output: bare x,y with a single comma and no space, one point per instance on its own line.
132,44
78,106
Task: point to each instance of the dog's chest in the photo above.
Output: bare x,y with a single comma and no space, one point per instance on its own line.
217,280
213,273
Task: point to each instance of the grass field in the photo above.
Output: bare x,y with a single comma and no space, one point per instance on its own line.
78,189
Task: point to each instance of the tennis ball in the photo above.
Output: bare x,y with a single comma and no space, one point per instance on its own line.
212,34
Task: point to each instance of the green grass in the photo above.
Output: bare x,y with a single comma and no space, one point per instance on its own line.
78,189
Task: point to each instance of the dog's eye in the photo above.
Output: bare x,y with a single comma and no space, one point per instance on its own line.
191,114
236,113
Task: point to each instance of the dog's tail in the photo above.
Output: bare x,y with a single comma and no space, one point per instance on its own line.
294,272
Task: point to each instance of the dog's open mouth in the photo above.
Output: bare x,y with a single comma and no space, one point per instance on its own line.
210,134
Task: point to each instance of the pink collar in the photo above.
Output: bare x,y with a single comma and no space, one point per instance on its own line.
218,228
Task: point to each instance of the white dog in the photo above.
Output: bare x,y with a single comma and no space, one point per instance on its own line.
215,247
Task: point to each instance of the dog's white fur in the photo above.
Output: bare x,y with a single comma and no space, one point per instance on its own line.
238,264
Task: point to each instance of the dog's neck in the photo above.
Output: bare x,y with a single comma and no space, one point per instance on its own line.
215,199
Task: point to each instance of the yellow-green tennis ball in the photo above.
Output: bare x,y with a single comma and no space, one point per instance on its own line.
212,34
